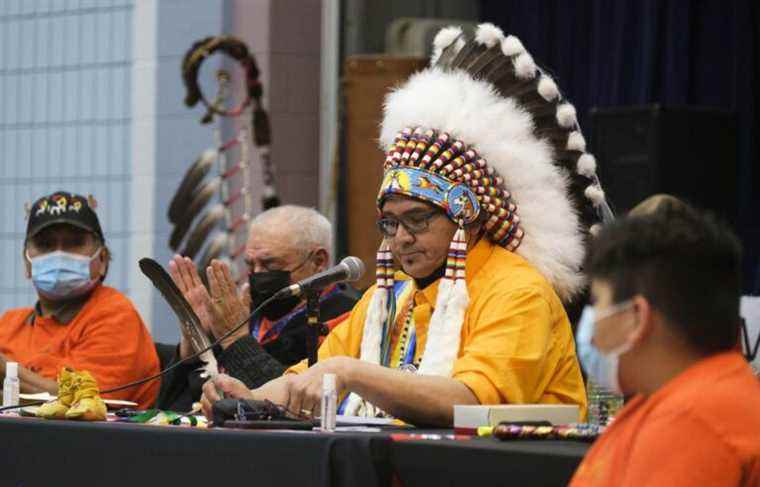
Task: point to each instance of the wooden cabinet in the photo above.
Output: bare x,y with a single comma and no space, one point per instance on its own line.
367,79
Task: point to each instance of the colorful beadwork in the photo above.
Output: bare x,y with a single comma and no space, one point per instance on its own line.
384,268
575,431
434,167
459,202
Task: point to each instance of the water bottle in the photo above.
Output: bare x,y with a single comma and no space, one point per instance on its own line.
11,384
603,404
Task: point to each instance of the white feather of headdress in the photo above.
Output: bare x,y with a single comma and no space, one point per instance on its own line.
587,165
488,34
443,39
566,116
547,88
575,141
502,133
595,194
525,67
446,36
511,46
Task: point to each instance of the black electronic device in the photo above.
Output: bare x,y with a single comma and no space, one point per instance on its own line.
251,411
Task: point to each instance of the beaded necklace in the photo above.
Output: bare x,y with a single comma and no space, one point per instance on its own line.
407,342
401,354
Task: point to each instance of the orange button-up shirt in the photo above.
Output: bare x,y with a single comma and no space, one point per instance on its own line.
702,428
516,342
105,337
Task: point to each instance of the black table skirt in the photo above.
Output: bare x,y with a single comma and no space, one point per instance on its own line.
39,453
486,461
61,453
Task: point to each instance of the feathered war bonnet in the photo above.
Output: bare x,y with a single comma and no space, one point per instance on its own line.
486,135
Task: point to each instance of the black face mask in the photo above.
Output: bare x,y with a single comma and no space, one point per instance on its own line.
264,285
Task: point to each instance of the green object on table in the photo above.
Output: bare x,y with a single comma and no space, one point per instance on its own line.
157,416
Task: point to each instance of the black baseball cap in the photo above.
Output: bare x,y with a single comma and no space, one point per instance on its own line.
63,207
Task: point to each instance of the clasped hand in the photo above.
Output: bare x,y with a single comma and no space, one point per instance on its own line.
220,307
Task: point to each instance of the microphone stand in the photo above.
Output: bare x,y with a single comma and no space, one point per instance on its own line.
313,324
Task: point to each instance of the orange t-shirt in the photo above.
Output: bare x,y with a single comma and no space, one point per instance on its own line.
701,428
106,338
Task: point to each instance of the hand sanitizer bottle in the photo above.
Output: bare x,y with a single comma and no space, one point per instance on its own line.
11,384
329,402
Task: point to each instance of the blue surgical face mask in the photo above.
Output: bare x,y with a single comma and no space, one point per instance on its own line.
602,367
62,275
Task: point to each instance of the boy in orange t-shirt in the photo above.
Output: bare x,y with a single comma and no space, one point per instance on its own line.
666,291
77,322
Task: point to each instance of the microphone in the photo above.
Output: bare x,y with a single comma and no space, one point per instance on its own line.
350,269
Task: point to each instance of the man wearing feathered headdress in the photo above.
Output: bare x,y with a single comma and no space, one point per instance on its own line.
487,200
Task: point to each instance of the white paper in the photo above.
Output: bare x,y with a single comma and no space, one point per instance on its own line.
46,396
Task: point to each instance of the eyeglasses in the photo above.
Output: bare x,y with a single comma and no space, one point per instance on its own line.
414,223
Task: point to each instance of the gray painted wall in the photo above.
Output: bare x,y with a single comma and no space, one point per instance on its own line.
65,74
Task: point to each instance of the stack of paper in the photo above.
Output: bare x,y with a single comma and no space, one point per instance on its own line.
467,419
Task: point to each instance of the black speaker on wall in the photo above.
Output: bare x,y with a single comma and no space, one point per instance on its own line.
689,152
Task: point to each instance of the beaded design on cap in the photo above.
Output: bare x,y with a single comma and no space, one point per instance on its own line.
439,153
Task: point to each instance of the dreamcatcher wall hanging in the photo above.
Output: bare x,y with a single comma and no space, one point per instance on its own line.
202,232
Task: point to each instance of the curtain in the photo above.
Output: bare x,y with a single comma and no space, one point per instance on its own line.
634,52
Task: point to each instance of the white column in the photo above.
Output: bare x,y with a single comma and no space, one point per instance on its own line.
143,152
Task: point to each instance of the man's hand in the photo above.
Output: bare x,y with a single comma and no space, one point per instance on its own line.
185,276
229,386
302,393
227,306
275,390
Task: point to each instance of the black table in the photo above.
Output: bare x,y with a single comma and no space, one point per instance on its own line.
36,453
486,461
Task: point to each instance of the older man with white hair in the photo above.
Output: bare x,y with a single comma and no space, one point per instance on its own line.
286,244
